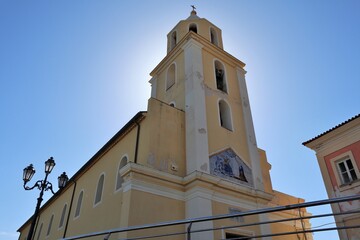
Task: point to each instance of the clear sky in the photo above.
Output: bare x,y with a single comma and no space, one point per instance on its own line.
72,73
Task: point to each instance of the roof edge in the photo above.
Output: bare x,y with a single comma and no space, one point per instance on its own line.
331,129
136,119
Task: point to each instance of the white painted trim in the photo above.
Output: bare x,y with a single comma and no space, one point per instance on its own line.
153,189
250,131
334,164
196,136
188,195
339,141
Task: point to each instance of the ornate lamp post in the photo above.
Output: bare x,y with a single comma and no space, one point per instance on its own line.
42,185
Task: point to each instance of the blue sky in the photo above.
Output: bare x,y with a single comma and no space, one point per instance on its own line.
72,73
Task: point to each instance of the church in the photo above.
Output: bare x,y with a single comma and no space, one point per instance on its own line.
192,154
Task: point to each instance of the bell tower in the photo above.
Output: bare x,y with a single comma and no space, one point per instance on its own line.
208,84
198,77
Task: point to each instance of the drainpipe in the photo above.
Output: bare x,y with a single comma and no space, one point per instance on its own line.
137,142
70,207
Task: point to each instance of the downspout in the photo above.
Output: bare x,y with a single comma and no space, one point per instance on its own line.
137,142
70,207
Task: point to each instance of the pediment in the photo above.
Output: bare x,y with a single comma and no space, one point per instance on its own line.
228,165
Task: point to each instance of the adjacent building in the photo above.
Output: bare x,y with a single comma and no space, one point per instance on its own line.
338,154
193,153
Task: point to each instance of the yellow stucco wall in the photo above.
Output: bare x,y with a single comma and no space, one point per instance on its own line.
164,131
176,92
203,29
265,169
221,138
146,208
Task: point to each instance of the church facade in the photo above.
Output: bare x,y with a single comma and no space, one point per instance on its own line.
192,154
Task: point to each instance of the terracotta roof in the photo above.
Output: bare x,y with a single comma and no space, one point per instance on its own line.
332,129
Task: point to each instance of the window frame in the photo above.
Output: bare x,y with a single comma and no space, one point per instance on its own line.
125,156
62,216
337,172
99,192
79,204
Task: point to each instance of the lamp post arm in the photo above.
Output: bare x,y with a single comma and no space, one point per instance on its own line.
38,184
48,186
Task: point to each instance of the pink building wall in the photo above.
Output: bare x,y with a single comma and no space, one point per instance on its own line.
354,148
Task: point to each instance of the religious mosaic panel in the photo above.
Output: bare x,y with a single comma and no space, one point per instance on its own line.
228,165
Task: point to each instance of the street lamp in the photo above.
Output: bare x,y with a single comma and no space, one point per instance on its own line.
42,185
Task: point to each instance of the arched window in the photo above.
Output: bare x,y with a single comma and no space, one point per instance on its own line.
213,37
170,77
220,76
172,104
119,179
225,115
39,234
193,28
173,40
78,205
99,189
50,224
61,224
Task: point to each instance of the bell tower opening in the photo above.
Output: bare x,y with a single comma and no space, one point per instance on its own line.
225,115
213,37
173,40
220,76
171,75
193,27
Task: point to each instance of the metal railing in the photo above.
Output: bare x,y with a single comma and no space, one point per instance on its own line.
191,221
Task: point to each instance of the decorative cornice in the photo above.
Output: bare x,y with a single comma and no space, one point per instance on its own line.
172,186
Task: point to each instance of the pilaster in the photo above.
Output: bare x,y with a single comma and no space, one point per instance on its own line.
197,150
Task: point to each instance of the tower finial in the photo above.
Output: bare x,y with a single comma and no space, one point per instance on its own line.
193,12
